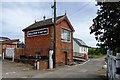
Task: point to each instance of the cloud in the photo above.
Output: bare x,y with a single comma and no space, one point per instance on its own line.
82,31
17,17
82,24
47,0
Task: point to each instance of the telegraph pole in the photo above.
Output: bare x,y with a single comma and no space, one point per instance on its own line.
54,41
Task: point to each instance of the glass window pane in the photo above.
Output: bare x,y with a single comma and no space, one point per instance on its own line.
65,35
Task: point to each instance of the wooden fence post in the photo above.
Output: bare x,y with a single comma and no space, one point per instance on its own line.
118,66
13,55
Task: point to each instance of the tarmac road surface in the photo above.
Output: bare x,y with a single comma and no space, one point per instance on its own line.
89,69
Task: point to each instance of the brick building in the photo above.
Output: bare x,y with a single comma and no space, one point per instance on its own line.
11,43
8,43
39,38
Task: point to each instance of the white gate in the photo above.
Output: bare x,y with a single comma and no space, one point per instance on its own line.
10,53
113,66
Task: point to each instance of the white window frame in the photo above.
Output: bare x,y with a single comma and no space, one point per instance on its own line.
65,40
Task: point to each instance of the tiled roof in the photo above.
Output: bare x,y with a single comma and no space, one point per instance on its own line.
4,38
80,42
42,23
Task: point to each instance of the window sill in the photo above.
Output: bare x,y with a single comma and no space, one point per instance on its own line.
66,41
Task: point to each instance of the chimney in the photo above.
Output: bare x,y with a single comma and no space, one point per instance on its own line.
65,12
35,21
44,17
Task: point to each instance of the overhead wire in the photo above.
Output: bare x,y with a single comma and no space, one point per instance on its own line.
81,8
77,11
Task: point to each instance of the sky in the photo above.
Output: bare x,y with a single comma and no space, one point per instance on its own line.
15,16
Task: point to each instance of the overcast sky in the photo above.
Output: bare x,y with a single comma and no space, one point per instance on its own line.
18,15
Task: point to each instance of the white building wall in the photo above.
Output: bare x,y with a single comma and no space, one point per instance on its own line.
75,47
83,50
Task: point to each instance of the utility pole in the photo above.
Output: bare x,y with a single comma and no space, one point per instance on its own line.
54,41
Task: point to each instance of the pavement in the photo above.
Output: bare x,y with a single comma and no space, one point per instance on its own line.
90,69
18,70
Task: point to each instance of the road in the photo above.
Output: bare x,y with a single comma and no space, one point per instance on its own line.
89,69
0,69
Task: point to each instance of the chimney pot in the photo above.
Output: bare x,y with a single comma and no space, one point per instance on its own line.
35,21
44,17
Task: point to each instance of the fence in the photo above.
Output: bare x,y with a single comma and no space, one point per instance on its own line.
113,66
18,52
12,52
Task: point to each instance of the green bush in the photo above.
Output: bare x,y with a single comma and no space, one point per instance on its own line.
96,51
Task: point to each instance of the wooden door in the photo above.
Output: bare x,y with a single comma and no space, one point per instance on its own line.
65,58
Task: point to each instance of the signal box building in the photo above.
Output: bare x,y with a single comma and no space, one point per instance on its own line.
39,39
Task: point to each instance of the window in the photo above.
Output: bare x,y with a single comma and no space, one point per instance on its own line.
65,35
38,55
84,49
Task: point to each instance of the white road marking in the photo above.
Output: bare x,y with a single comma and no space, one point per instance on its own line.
84,62
10,73
80,64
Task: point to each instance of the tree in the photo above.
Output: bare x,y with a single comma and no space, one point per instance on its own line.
106,26
96,51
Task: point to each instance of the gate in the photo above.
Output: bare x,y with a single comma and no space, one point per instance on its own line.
10,53
113,66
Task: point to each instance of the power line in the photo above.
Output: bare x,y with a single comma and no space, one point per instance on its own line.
80,9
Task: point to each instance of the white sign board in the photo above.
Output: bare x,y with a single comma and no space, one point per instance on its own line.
43,31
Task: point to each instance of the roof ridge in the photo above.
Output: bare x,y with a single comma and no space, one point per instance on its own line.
82,43
42,23
51,18
44,20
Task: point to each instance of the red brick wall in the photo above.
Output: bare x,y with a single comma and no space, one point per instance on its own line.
63,45
44,43
40,43
18,52
43,65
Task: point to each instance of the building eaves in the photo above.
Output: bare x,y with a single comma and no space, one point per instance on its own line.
48,23
80,42
42,23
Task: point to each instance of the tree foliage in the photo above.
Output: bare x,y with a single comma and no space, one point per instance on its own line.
106,26
96,51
